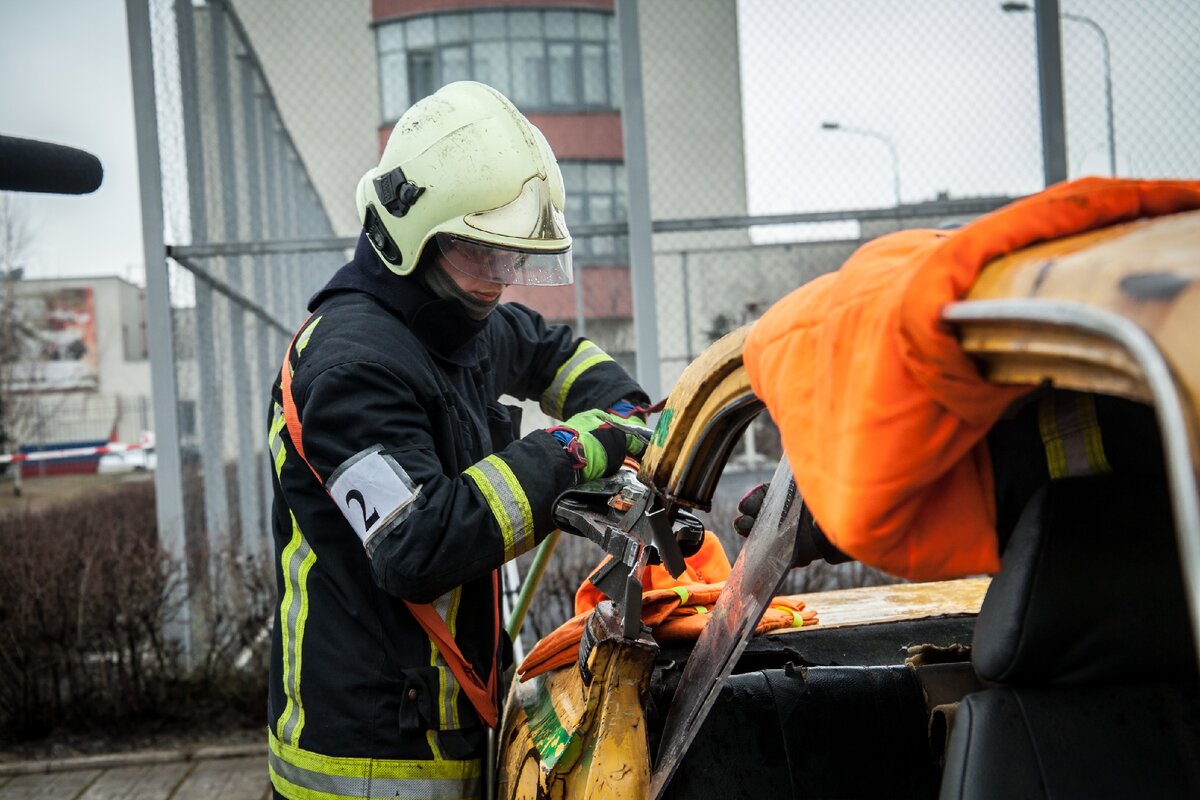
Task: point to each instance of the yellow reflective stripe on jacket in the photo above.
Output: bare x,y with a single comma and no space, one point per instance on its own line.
586,356
306,775
507,501
446,607
297,561
302,340
1071,435
305,335
275,440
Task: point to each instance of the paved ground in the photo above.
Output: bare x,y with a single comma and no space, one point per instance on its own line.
228,773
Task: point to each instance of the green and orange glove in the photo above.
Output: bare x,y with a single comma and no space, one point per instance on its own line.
596,447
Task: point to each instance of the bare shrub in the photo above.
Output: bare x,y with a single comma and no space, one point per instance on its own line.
86,598
83,602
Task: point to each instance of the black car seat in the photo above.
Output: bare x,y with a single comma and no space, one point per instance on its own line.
1085,635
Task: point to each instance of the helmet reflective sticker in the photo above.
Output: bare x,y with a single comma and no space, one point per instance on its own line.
505,265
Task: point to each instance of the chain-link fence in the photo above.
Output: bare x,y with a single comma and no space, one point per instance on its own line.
777,137
249,240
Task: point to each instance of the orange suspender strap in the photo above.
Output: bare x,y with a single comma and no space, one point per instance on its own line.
291,416
481,695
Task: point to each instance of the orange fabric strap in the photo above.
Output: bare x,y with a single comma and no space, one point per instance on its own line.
481,695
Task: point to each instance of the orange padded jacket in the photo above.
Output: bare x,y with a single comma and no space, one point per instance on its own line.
883,416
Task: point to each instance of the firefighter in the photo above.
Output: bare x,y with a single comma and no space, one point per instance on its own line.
400,484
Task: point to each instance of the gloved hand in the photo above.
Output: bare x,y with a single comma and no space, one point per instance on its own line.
597,448
811,542
635,414
748,508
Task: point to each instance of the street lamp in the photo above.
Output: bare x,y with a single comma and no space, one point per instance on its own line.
837,126
1011,8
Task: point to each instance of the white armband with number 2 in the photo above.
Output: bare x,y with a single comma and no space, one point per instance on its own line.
374,493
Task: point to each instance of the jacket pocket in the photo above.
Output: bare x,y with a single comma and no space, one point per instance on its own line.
504,424
419,692
430,700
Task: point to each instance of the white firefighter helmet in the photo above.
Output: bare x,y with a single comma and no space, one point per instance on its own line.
464,167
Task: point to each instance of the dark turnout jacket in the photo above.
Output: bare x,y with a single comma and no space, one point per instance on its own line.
414,488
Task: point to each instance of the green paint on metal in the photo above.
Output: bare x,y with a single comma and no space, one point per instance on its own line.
664,424
553,742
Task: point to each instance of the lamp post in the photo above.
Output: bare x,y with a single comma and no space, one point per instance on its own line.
837,126
1016,8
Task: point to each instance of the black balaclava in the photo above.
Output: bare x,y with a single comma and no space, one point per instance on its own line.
435,278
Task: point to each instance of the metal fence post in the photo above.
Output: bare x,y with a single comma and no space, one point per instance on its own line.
239,392
168,483
274,217
580,308
291,227
637,177
1050,90
214,510
211,426
251,102
687,306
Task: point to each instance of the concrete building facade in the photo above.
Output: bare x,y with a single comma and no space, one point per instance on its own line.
80,370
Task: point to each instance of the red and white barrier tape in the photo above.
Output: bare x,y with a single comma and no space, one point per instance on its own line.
71,452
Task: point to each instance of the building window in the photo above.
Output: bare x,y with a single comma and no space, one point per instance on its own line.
543,60
420,71
596,195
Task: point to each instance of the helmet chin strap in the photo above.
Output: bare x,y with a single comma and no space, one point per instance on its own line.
434,276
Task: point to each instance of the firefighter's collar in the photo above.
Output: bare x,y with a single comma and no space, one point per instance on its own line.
443,326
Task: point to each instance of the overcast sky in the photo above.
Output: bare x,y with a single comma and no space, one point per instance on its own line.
953,85
65,69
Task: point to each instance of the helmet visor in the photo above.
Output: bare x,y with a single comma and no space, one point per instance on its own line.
531,215
505,265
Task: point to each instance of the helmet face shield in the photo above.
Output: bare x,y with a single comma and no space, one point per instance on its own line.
504,265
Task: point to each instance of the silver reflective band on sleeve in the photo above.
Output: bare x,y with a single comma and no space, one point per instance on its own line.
507,502
307,775
586,356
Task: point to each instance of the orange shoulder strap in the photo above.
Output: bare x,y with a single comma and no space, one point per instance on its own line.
481,695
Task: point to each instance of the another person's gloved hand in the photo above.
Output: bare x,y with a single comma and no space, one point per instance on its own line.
811,542
597,448
748,508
